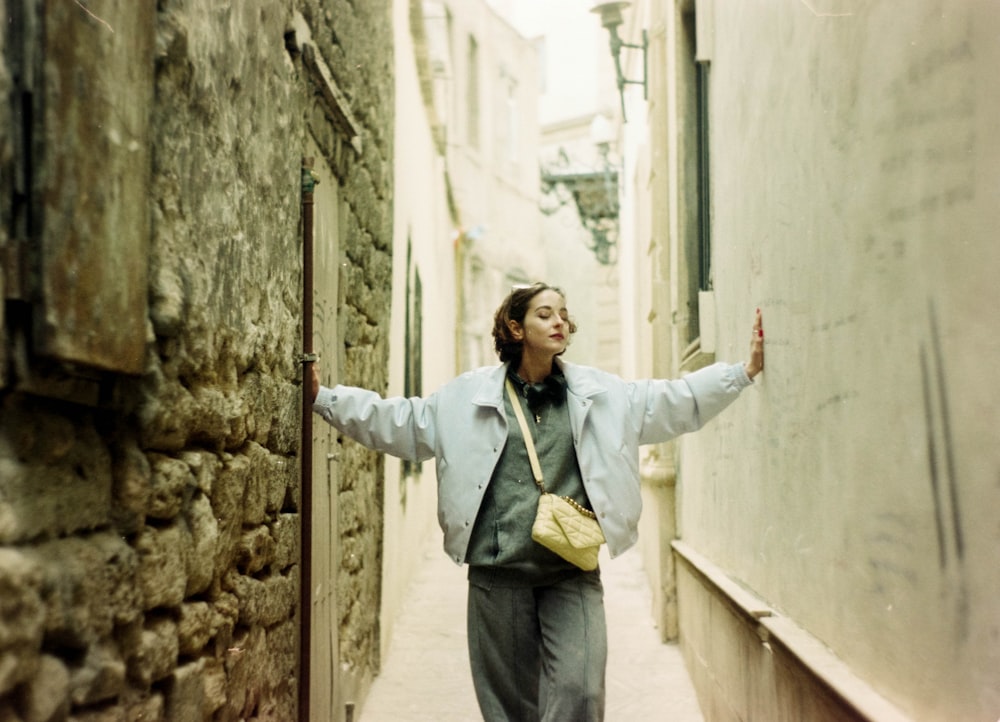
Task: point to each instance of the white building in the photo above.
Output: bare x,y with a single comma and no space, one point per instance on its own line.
466,226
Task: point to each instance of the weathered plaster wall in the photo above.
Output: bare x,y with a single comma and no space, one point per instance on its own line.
149,537
422,229
854,490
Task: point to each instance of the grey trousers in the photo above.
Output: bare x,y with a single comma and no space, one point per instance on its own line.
539,653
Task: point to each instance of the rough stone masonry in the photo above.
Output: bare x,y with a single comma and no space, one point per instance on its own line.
149,526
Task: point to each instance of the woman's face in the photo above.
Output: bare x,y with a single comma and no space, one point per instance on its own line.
545,329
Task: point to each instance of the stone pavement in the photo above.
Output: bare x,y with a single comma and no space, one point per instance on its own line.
425,676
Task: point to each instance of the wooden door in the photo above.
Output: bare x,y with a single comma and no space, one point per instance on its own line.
324,667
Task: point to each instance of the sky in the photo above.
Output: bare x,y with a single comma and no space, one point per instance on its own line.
574,47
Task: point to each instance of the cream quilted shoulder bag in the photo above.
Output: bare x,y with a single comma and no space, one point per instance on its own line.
561,524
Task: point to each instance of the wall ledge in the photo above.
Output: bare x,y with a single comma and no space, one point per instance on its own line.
694,358
774,628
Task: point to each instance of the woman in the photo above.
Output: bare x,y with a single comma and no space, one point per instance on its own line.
536,631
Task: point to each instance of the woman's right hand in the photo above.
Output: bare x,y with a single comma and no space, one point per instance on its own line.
314,382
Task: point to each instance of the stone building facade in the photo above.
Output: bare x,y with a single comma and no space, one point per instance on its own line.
580,168
150,341
488,83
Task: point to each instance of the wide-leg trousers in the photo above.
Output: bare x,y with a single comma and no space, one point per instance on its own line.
539,653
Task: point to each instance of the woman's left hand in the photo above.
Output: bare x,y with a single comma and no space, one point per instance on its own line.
756,363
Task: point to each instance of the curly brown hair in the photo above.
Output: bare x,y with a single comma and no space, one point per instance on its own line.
515,308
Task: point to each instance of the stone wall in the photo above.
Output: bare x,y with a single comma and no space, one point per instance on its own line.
149,528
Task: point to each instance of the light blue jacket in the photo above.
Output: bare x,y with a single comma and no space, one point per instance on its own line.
464,427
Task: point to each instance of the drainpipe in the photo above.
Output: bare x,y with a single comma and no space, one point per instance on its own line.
309,181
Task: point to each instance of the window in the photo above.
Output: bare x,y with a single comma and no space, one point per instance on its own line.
695,250
413,358
507,126
512,126
704,183
472,93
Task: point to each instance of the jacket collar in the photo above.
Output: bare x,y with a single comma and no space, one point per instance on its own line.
579,382
490,392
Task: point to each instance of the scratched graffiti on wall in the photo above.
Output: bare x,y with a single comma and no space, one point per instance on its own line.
940,448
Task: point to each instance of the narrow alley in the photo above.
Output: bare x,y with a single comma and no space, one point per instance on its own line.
209,210
426,673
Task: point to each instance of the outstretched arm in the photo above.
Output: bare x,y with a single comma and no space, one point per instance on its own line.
687,404
403,427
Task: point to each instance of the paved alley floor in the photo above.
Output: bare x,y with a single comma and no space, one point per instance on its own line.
426,672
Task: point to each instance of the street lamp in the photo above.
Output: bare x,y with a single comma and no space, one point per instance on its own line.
611,18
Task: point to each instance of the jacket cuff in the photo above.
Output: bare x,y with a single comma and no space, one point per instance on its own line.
324,399
739,376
